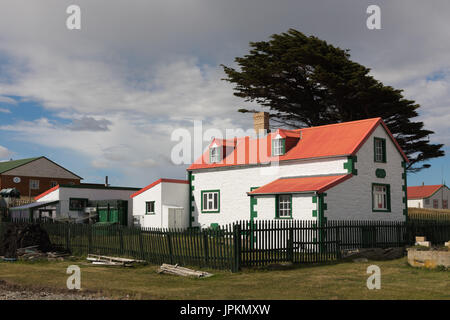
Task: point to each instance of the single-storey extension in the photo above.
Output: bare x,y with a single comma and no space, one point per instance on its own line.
164,204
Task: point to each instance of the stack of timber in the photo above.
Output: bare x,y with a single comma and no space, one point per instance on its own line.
180,271
112,261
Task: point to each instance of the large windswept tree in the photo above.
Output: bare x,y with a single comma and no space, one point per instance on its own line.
305,81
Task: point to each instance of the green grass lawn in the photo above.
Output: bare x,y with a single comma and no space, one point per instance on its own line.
339,281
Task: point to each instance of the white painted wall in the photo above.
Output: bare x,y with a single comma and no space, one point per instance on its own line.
42,168
152,194
415,203
352,199
165,195
176,195
234,183
52,196
64,194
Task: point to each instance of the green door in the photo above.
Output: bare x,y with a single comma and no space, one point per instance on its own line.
103,214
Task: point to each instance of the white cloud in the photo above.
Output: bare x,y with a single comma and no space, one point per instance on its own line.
4,110
7,100
434,95
4,152
145,163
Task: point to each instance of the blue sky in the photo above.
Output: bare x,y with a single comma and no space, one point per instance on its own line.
104,100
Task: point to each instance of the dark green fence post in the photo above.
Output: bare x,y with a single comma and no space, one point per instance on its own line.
89,238
338,243
141,245
121,239
205,246
68,237
236,248
291,245
169,244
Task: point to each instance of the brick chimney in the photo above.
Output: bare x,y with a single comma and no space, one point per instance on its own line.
261,122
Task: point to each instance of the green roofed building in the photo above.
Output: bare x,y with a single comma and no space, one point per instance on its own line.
32,176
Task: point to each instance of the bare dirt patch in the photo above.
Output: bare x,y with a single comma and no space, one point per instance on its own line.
10,291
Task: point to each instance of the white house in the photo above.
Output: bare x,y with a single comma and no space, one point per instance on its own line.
76,201
350,171
432,197
163,204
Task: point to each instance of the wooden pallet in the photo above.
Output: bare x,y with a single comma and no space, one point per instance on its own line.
112,261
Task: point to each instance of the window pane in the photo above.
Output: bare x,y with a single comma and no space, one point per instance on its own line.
215,201
205,201
284,205
379,150
380,197
277,147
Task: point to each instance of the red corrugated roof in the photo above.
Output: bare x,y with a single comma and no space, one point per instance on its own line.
301,184
341,139
421,192
151,185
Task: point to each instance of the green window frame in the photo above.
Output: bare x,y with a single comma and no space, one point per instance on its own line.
283,206
78,203
379,150
381,195
149,207
210,201
215,154
278,147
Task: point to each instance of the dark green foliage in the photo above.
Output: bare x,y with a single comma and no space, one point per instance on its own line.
305,81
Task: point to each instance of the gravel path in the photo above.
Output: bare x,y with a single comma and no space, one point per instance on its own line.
13,292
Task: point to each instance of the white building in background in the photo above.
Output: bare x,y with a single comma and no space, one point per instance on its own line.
69,202
348,171
429,197
162,204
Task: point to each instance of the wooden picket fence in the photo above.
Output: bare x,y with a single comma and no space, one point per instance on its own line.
243,243
204,248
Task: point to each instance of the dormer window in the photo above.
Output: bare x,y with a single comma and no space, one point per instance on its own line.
215,154
278,146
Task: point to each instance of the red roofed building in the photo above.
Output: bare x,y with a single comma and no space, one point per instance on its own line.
164,204
432,197
352,170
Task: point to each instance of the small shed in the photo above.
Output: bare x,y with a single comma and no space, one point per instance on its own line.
162,204
90,203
